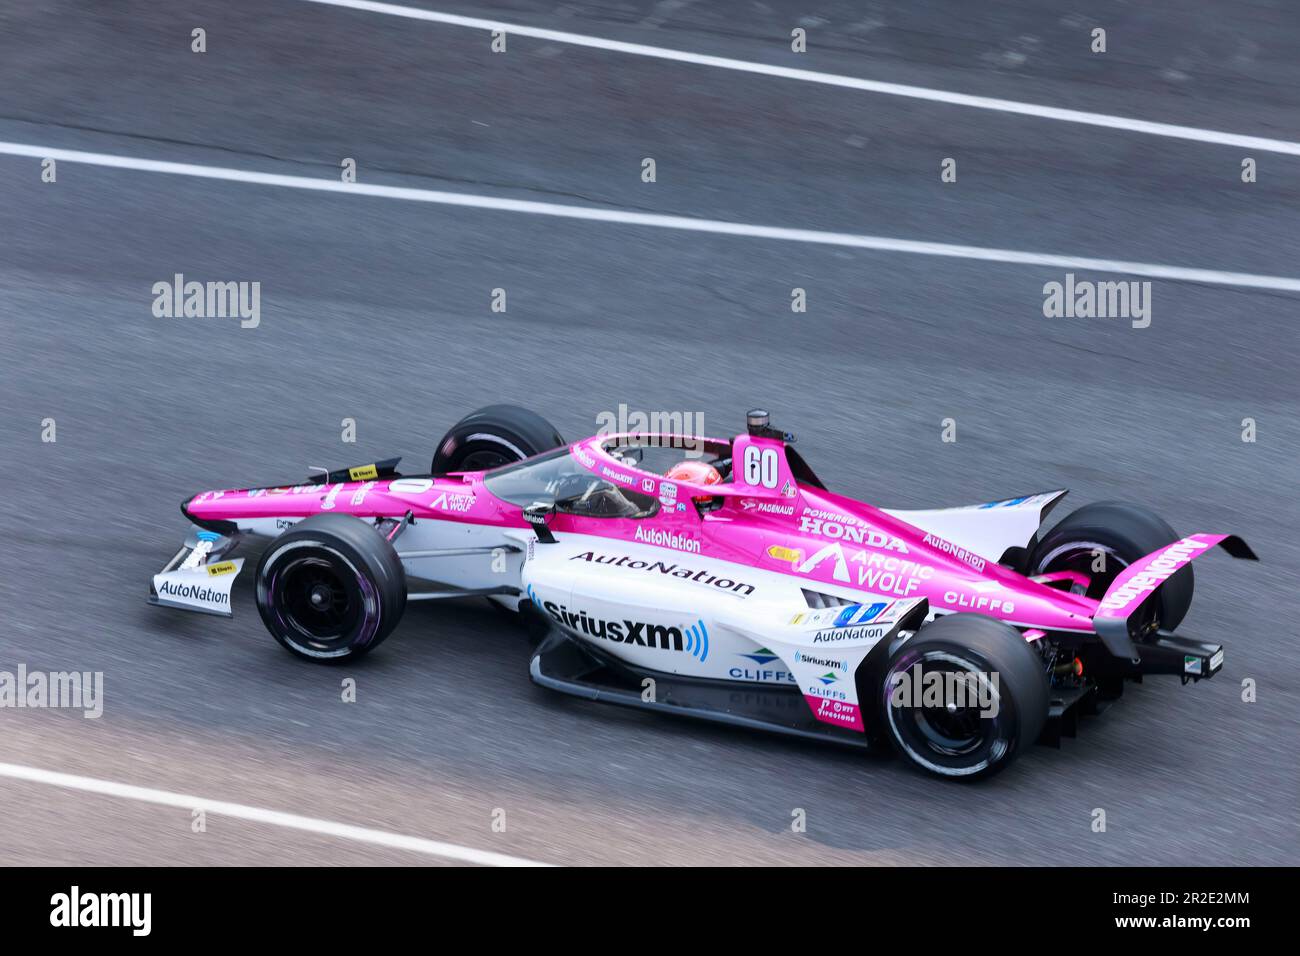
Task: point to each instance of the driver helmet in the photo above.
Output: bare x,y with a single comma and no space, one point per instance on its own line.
696,473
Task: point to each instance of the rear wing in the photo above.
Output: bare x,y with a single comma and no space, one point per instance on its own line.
1140,580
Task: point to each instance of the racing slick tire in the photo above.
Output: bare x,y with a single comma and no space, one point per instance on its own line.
1123,533
331,588
494,436
996,707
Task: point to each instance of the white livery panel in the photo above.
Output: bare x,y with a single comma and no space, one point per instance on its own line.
686,614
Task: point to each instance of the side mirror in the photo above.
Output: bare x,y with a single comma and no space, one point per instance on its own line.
539,514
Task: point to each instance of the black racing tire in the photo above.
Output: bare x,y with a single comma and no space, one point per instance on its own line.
494,436
331,588
1124,532
964,742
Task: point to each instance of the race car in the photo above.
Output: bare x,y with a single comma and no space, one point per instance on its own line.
722,580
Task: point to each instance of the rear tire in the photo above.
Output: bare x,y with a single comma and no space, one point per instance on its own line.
959,741
1123,533
331,588
494,436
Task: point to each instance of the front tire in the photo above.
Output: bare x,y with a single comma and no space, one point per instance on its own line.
331,589
494,436
992,704
1122,533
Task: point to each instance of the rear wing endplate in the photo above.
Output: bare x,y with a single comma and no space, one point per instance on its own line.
1141,579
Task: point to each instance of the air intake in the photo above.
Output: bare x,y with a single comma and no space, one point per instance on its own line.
816,599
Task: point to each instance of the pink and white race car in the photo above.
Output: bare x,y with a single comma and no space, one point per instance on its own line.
721,580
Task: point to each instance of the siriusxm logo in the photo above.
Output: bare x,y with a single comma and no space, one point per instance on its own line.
839,665
692,639
697,640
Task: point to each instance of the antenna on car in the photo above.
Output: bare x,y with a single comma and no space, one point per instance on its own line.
759,424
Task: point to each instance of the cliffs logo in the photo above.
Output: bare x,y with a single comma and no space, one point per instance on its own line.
769,669
667,539
692,639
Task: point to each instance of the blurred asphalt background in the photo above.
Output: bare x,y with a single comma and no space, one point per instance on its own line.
378,310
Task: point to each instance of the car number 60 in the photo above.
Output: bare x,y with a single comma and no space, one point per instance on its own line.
761,467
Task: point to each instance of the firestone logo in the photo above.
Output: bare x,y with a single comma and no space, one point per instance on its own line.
837,712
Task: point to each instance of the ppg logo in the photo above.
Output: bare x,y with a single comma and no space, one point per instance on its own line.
697,640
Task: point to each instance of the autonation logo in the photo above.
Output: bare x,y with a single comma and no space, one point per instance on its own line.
668,539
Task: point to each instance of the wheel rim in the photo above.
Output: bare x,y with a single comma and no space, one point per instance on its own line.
955,737
1079,556
318,602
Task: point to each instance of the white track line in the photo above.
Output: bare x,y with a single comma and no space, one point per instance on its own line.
1257,143
715,226
345,831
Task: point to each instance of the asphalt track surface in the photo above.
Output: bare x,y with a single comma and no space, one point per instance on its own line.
378,309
